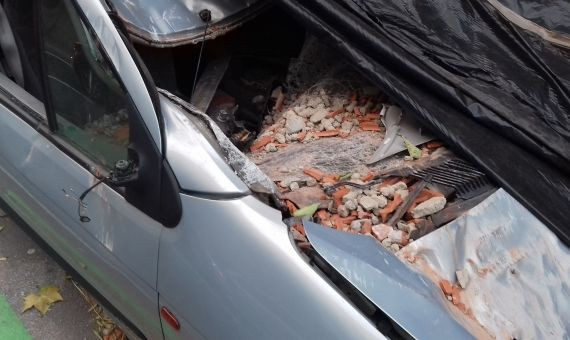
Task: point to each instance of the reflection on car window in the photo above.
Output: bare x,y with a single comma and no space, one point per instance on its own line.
91,107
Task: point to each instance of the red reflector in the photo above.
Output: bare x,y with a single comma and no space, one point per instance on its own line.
170,318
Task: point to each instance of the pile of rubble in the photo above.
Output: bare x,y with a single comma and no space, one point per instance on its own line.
320,115
355,200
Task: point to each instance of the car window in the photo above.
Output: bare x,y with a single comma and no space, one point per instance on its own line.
91,106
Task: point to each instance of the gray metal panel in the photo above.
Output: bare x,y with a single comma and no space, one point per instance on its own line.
231,271
174,22
410,299
193,157
116,251
124,64
518,270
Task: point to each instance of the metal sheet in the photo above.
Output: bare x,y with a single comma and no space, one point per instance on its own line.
519,271
414,302
398,125
176,22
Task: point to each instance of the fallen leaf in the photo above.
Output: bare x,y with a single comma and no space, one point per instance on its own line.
414,151
307,211
3,258
1,227
43,300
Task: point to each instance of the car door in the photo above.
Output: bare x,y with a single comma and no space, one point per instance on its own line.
53,162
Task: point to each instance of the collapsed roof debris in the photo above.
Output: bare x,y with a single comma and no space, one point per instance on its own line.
337,151
316,142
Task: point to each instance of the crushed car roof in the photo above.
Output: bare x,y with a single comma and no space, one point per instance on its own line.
177,22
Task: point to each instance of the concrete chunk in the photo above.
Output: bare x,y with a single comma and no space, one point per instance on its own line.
429,207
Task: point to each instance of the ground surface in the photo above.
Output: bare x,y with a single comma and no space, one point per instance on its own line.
25,269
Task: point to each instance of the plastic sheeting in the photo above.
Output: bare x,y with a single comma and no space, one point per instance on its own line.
552,14
498,94
519,272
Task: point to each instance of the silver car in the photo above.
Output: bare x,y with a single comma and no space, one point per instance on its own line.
133,188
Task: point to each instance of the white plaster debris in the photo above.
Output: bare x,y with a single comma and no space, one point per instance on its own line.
462,278
429,207
368,203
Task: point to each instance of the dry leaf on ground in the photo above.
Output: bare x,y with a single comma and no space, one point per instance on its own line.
43,300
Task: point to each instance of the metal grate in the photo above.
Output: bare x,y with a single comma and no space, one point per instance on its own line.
458,174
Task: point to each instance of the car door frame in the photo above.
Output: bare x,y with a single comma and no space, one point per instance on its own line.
140,90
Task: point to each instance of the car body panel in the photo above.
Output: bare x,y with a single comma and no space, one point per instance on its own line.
198,166
392,285
231,269
42,184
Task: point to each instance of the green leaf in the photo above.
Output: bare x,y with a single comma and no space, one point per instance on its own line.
345,177
414,151
307,211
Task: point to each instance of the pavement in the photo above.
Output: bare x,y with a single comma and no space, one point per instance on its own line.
26,268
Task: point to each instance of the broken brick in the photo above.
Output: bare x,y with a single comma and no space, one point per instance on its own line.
338,195
455,295
335,113
434,145
368,177
290,206
330,179
301,136
315,173
330,133
366,228
391,207
323,214
300,229
261,142
446,287
370,126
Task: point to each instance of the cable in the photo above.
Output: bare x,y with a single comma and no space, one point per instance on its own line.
206,16
83,218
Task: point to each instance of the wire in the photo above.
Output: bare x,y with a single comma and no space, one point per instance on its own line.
200,54
83,218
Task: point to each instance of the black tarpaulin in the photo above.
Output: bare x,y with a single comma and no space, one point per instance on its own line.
496,93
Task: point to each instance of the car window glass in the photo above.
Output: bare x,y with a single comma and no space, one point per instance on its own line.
91,107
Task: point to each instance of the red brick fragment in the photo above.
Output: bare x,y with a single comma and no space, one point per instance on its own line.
446,287
330,179
391,207
339,194
315,173
368,177
389,181
301,136
323,214
366,228
330,133
370,126
335,113
455,295
291,206
434,145
300,229
357,111
261,142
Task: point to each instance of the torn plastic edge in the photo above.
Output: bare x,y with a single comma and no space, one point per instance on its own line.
546,34
244,168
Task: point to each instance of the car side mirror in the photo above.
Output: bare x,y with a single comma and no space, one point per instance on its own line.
124,173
